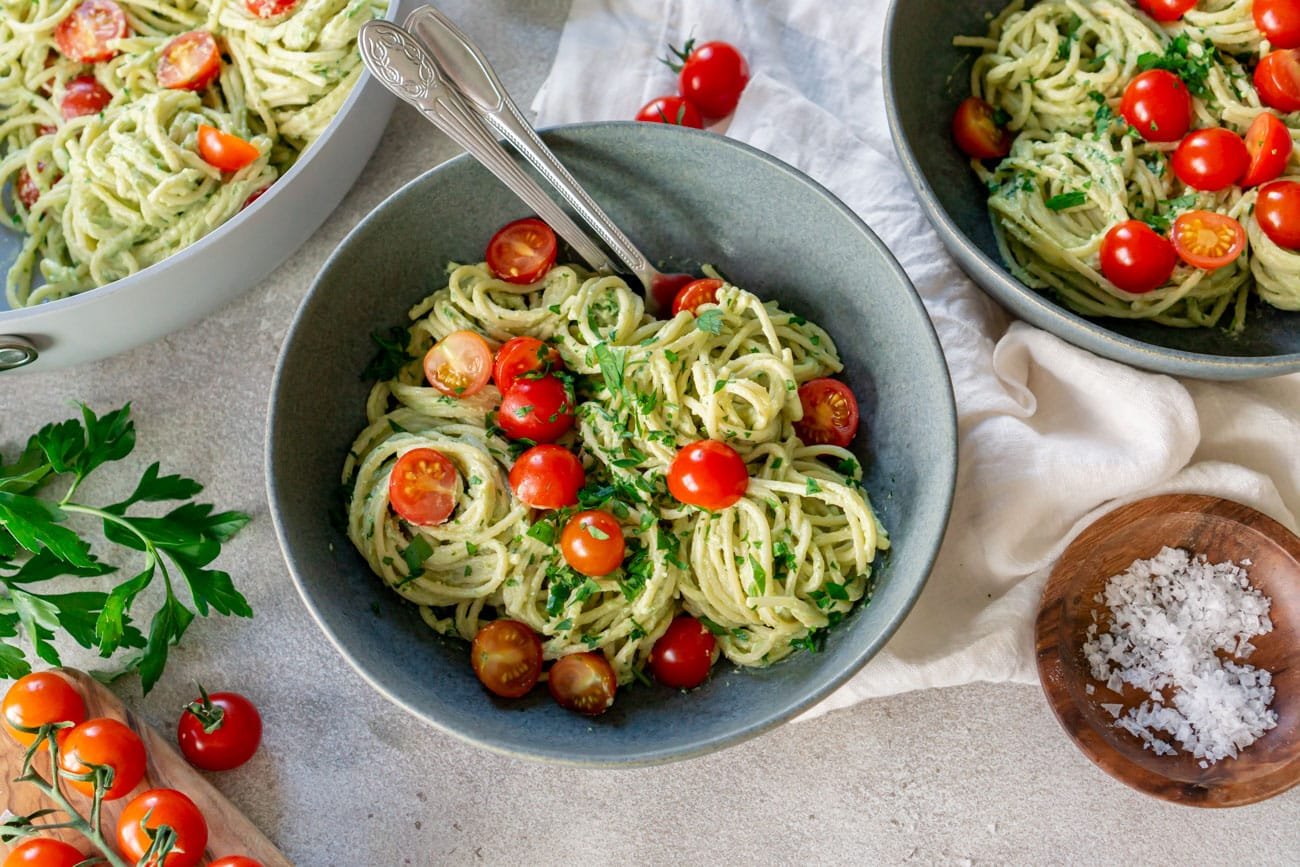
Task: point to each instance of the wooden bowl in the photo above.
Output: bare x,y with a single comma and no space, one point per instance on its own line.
1221,530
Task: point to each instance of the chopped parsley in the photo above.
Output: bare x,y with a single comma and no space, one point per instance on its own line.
710,321
1193,69
1061,201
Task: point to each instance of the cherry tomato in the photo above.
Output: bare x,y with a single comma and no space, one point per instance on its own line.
1167,10
235,861
103,741
25,187
713,77
1279,20
220,731
268,8
44,852
696,294
683,655
547,477
523,356
83,95
976,133
507,657
830,413
540,410
152,810
84,36
423,486
191,61
664,287
592,543
1208,240
1211,159
522,252
671,110
1156,103
1277,78
708,474
1135,258
459,365
254,196
583,683
1277,210
1268,141
39,698
230,153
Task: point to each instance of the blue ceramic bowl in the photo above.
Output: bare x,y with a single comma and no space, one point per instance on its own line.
925,78
702,198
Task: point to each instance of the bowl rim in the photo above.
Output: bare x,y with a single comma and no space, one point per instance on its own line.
1034,307
15,317
772,717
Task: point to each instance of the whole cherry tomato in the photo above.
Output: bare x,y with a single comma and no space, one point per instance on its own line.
540,410
712,77
235,861
830,413
459,365
547,476
85,35
673,110
708,474
583,683
220,731
523,356
151,811
1277,210
44,852
522,252
976,133
507,657
1167,10
1268,141
37,699
1208,240
83,95
592,543
422,487
1157,104
696,294
105,742
1135,258
684,654
1279,20
1211,159
191,61
1277,78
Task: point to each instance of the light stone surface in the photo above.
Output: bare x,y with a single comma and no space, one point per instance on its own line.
980,774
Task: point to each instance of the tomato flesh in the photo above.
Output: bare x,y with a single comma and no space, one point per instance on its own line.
423,486
230,153
695,294
459,365
83,95
103,741
976,133
684,654
583,683
540,410
44,852
507,658
1135,258
84,35
672,110
1277,78
523,356
153,809
1208,240
713,77
191,61
708,474
547,477
268,8
1279,20
1158,105
1211,159
38,699
1167,10
233,738
522,252
830,413
1268,141
592,543
1277,210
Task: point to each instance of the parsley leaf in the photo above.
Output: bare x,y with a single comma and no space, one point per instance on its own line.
1072,199
710,321
1192,68
390,353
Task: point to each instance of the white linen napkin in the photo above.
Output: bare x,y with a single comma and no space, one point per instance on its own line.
1051,436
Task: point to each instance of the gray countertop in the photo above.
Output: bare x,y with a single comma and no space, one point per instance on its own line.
970,775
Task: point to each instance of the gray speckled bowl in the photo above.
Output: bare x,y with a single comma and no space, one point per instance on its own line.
696,196
925,77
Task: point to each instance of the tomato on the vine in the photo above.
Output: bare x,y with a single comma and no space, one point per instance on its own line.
37,699
84,35
1277,78
191,61
1167,10
44,852
103,742
1158,105
149,812
708,474
672,110
220,731
1279,20
1135,258
523,356
682,657
547,476
712,77
695,294
977,132
1277,210
541,410
1268,141
422,487
830,413
1205,239
522,252
83,95
592,543
507,658
1211,159
459,365
583,683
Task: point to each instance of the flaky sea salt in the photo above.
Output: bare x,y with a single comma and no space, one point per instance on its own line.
1169,618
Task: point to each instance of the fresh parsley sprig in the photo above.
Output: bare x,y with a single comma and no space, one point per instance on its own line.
38,545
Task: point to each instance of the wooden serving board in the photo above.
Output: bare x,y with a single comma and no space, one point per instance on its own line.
229,831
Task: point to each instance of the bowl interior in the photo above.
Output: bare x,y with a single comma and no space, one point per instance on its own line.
700,198
926,77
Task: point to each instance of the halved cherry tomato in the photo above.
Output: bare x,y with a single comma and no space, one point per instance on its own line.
522,252
190,61
1277,210
235,861
671,110
540,410
25,188
1208,240
1135,258
547,477
712,78
976,132
696,293
152,810
507,657
1268,141
44,852
230,153
1277,78
459,365
1167,10
830,413
37,699
523,356
82,96
84,36
708,474
583,683
254,196
220,731
664,287
1211,159
423,486
107,742
1279,20
683,655
592,543
268,8
1157,104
